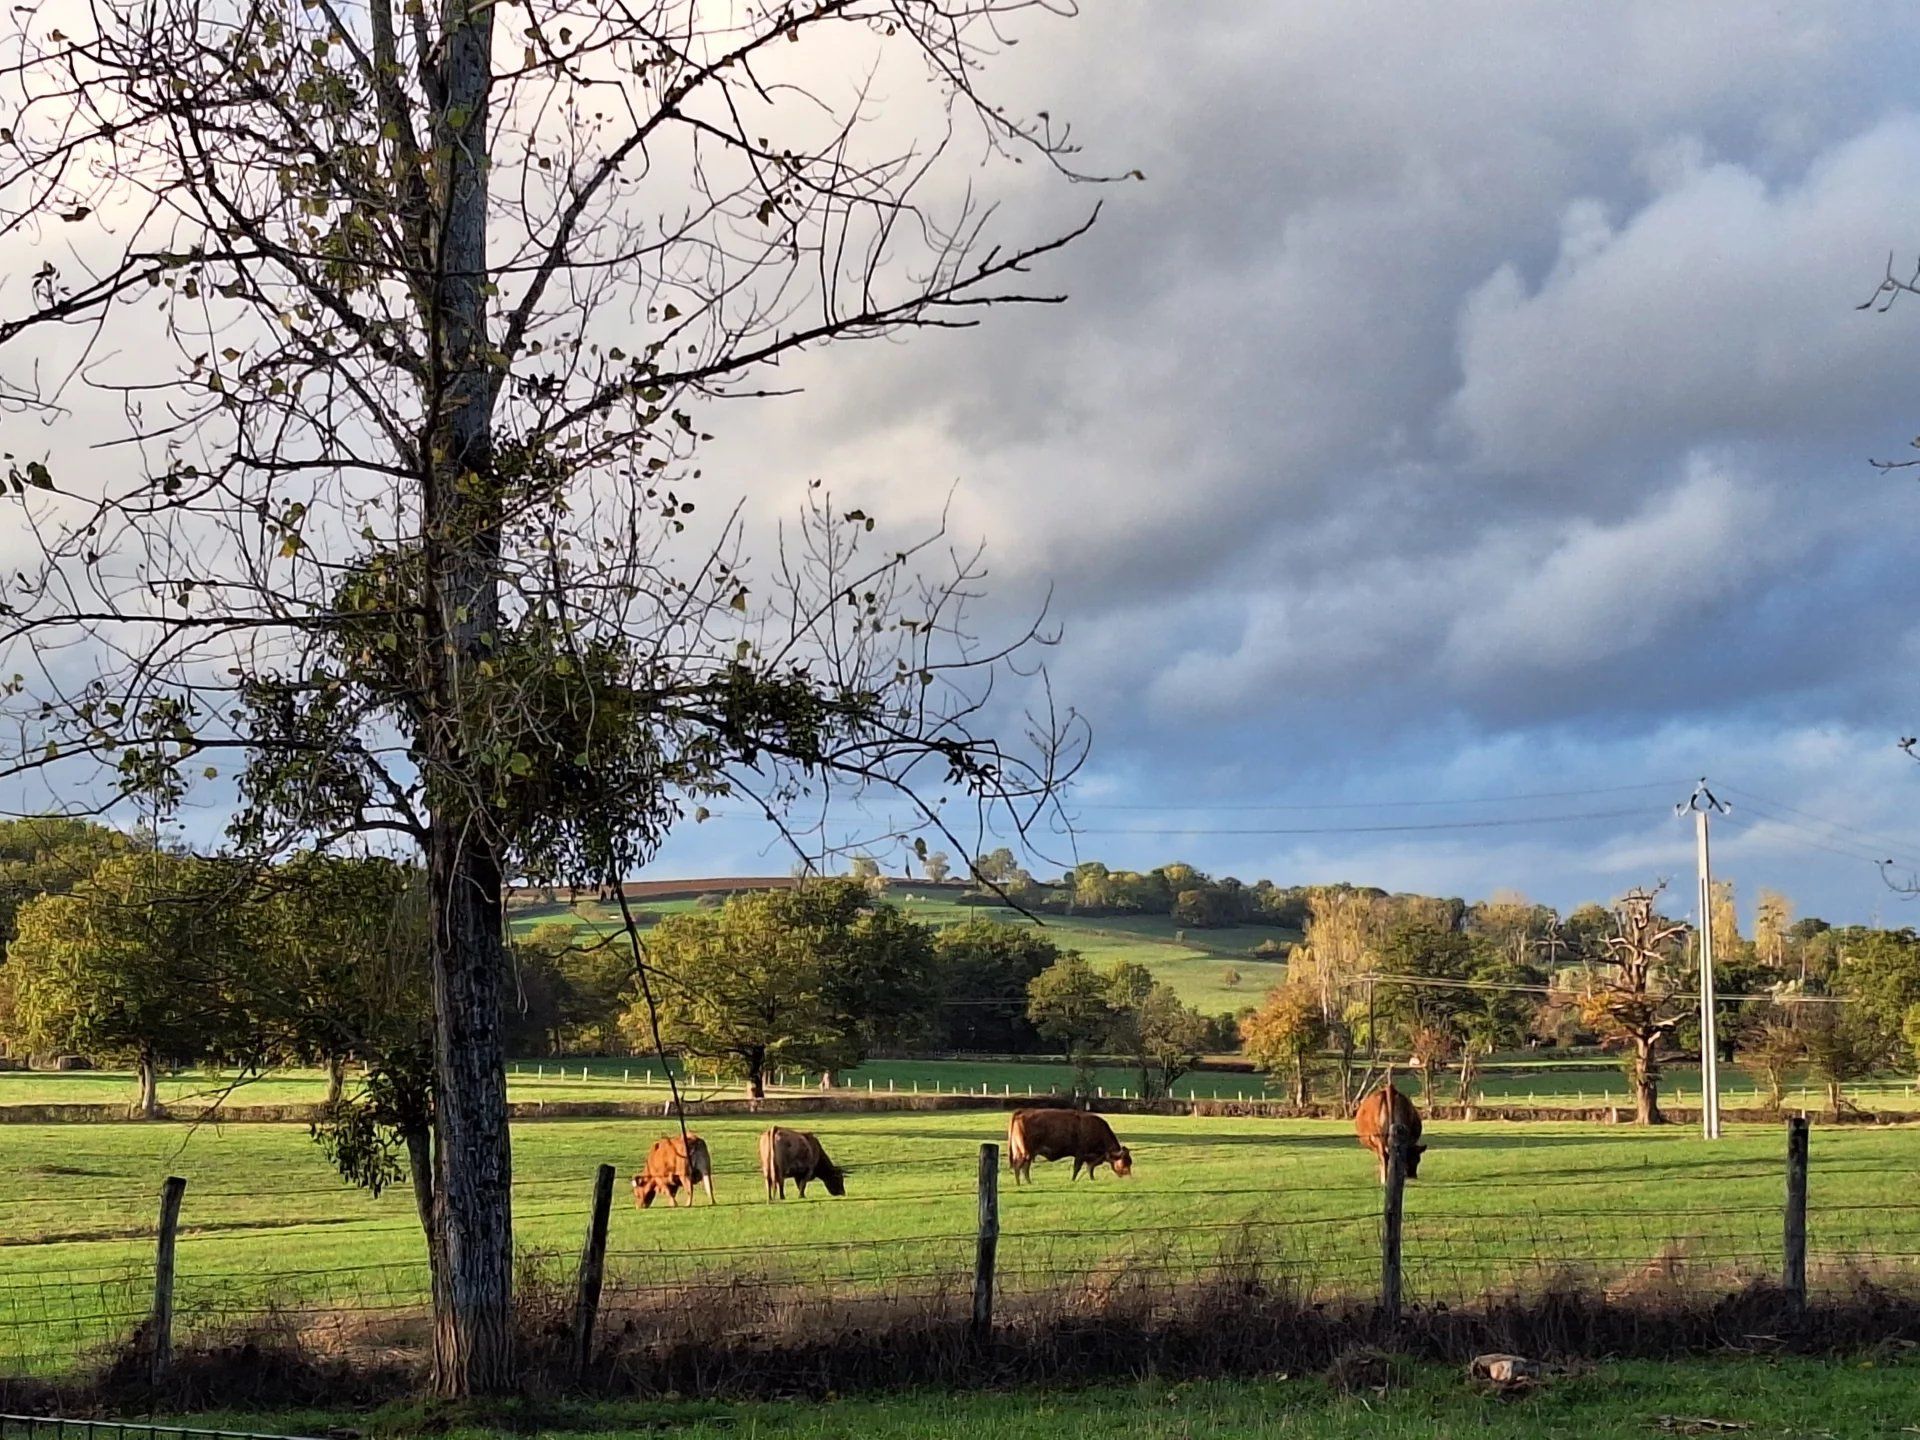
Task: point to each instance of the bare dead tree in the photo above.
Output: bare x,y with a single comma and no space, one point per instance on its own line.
1636,1006
373,346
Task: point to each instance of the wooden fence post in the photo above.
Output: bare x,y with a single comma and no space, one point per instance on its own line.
1794,1277
989,1242
1390,1224
161,1324
593,1269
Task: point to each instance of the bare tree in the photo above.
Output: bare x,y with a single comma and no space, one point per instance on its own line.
391,329
1636,1007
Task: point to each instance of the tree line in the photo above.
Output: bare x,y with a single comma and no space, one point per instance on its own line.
123,951
126,952
1439,986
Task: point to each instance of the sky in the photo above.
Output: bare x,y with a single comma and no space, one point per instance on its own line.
1467,418
1456,442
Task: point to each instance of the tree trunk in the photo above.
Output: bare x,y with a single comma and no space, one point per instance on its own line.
1646,1094
147,1106
336,1077
1469,1073
757,1081
461,519
1835,1097
420,1171
1300,1081
473,1163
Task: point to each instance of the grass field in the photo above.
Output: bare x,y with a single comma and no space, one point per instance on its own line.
265,1220
1860,1398
1196,968
1547,1083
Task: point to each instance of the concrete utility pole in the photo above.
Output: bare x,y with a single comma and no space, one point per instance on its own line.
1703,803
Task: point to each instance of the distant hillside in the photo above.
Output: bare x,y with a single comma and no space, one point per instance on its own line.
1195,962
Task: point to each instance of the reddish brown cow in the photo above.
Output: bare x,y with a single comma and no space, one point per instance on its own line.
1060,1134
673,1165
795,1155
1374,1122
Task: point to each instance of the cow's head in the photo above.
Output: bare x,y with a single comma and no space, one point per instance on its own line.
1121,1159
831,1176
1414,1152
643,1191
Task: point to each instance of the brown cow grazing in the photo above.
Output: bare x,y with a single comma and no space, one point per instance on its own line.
1059,1134
674,1164
1374,1121
795,1155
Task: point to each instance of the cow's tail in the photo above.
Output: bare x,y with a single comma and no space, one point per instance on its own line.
1017,1146
768,1170
700,1167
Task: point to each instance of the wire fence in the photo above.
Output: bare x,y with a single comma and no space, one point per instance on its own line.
1675,1228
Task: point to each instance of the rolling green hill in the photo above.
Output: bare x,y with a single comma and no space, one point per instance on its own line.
1194,962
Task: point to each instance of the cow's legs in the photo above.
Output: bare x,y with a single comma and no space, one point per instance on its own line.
707,1180
803,1186
1076,1169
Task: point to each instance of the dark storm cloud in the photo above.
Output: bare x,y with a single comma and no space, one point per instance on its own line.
1469,401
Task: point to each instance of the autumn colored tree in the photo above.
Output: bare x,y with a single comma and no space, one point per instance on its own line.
1285,1033
1633,1002
1772,920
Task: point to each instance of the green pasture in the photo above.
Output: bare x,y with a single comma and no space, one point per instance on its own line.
1862,1397
1195,967
265,1222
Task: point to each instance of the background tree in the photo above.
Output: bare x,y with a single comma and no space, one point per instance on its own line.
326,933
1342,931
1844,1044
1284,1034
1878,971
1772,917
937,866
370,999
45,855
801,979
1910,1033
1420,1016
1069,1003
983,971
561,990
420,317
1770,1049
144,961
1632,1003
1727,941
1151,1026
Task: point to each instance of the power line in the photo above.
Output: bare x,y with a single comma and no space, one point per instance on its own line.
1812,840
1379,804
1644,814
1263,805
1892,847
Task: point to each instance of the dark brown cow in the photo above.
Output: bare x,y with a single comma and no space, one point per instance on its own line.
1060,1134
795,1155
1374,1120
673,1165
